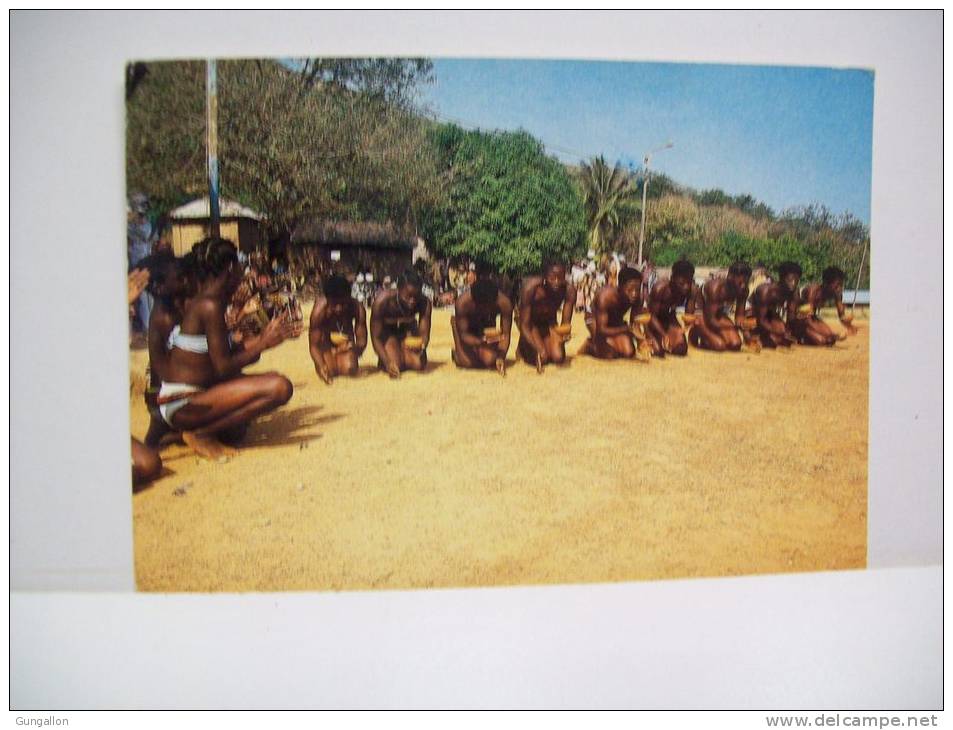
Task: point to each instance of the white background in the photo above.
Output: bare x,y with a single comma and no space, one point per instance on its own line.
770,641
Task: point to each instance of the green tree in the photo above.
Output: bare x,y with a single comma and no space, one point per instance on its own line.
609,198
336,139
660,185
673,218
509,205
165,132
713,197
391,80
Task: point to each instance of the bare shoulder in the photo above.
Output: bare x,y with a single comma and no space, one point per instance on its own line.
162,317
530,284
201,314
605,296
762,291
207,306
382,299
319,310
464,304
659,289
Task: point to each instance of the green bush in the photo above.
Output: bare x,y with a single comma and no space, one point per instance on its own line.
770,252
509,204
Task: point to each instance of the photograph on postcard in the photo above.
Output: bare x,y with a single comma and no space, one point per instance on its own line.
406,323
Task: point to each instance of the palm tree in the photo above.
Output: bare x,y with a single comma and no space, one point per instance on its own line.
608,194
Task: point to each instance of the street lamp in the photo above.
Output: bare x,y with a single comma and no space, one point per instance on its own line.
645,187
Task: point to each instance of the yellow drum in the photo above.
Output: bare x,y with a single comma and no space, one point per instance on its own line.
414,343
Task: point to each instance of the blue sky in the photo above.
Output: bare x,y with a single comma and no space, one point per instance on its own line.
786,135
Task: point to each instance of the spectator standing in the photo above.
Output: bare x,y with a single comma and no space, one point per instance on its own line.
141,238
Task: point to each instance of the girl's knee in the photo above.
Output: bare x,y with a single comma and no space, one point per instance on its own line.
147,466
557,355
486,357
732,342
280,389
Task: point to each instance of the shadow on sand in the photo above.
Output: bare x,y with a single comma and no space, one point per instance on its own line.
288,426
365,371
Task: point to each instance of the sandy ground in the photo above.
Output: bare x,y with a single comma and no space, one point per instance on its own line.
710,465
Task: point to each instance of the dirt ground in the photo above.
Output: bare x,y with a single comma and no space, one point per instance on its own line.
709,465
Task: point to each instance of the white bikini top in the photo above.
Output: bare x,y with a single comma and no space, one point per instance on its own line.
190,343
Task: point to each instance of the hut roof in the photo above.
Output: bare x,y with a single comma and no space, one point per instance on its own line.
200,208
353,233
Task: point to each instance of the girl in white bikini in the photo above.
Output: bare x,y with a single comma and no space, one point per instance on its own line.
205,392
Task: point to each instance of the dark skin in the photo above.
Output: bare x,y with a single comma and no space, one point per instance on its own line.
714,330
230,399
397,314
342,316
611,337
146,464
768,302
809,328
170,301
665,334
541,299
473,348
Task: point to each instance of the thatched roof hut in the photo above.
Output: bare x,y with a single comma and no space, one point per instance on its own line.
191,223
359,245
342,234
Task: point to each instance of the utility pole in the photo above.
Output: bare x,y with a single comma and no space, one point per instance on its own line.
863,258
645,186
211,144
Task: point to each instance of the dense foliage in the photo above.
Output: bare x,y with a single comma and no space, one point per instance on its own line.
333,139
717,235
508,204
341,138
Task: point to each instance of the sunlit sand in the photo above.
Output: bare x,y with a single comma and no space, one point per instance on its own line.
709,465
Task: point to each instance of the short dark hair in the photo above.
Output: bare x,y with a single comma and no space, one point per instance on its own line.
551,263
483,268
684,268
213,256
159,265
409,278
739,268
484,290
627,274
832,274
789,267
187,265
336,287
